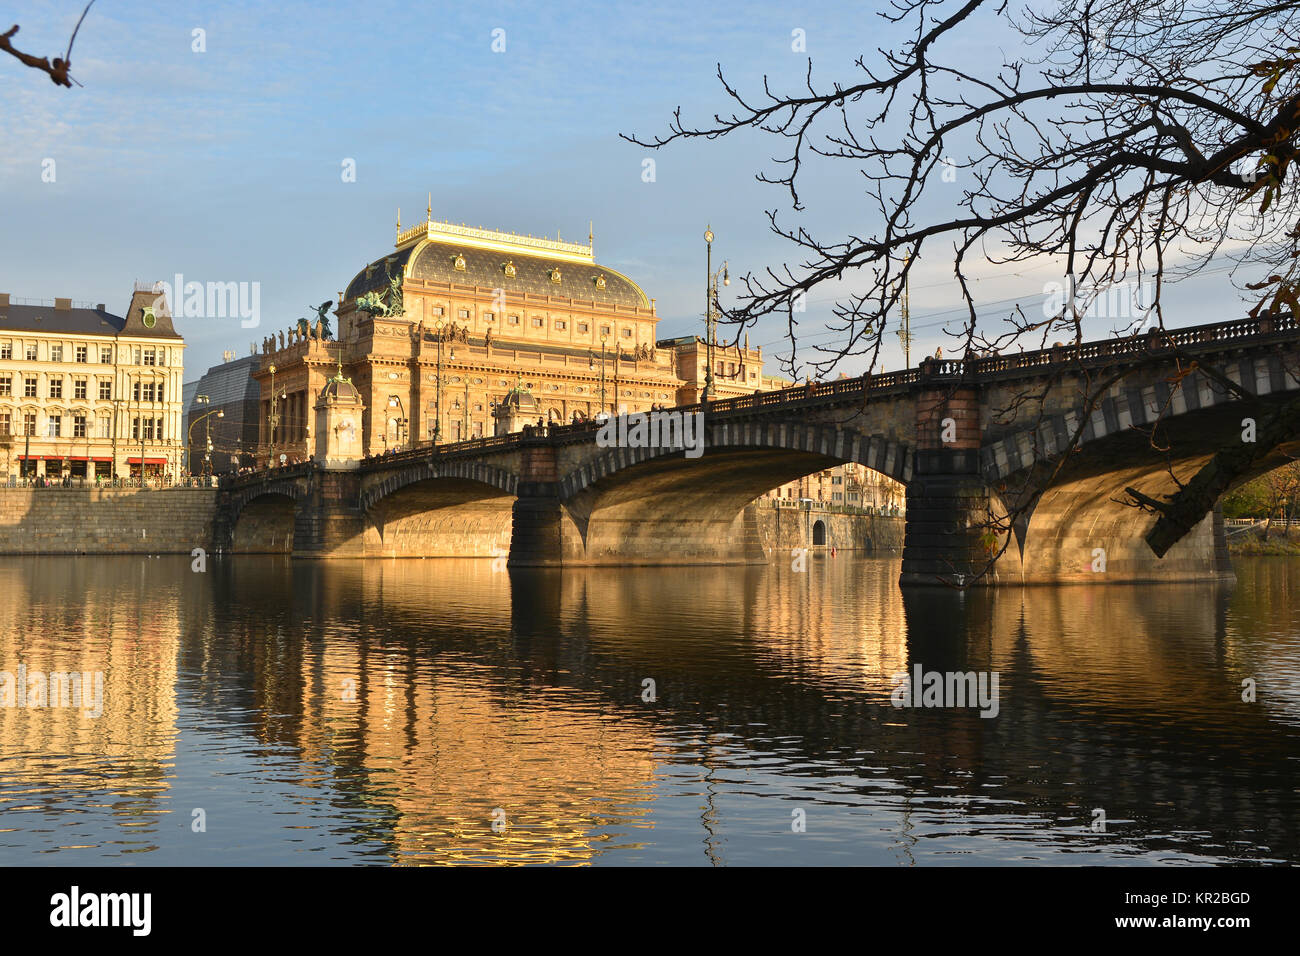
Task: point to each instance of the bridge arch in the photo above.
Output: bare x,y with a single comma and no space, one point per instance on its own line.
656,505
840,444
262,518
468,471
1081,520
444,509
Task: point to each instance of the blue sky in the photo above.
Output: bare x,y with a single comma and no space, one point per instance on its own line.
225,165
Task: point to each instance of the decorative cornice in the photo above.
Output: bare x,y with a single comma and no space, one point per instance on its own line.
471,236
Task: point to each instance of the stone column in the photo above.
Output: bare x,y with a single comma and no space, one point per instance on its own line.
947,539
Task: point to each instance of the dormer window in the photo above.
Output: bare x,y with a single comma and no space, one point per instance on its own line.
600,282
555,276
509,270
458,262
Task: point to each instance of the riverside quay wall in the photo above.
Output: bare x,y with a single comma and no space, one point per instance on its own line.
781,527
105,520
177,520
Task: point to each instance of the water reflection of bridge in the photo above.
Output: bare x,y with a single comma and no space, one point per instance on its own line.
1132,702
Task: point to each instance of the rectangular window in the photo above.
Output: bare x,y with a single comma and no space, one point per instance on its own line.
56,388
6,385
105,427
561,325
627,333
513,320
82,356
31,352
6,351
158,424
29,424
135,391
29,387
105,389
582,326
464,313
54,426
537,321
162,356
106,355
604,330
6,423
160,391
79,388
78,426
489,316
150,356
56,353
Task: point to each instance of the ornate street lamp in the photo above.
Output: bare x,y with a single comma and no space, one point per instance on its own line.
189,435
271,423
591,366
189,452
710,310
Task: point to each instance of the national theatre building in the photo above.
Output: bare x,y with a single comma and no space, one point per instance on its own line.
457,320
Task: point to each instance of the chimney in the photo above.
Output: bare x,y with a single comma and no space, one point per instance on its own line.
4,300
99,307
62,305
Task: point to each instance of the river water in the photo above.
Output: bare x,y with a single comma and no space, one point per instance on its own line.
267,711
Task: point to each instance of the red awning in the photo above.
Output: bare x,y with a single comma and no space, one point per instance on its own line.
147,461
101,459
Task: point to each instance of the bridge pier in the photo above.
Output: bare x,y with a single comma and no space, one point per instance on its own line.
946,541
542,531
329,522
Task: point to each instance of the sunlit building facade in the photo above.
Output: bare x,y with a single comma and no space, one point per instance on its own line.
87,393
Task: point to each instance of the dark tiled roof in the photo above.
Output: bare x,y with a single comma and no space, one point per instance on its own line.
363,283
45,318
485,268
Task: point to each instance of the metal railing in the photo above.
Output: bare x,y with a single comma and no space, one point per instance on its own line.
68,481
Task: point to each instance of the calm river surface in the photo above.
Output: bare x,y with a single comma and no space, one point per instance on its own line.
273,712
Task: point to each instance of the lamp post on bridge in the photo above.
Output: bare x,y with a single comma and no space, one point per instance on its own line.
711,310
591,367
440,331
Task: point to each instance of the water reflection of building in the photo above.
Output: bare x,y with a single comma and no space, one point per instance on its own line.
437,736
130,635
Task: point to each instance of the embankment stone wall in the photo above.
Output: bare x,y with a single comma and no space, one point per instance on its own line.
105,520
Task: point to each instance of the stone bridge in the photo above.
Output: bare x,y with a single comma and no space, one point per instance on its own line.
980,443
